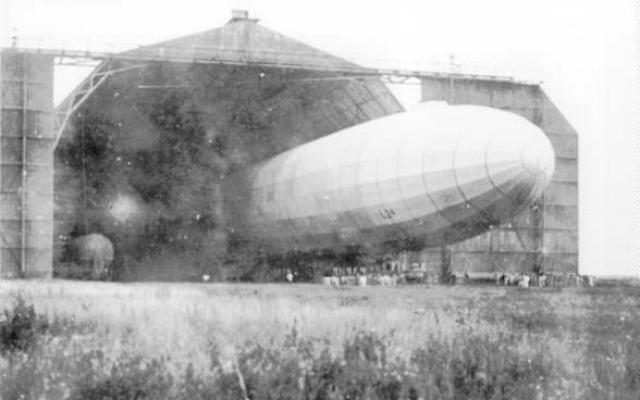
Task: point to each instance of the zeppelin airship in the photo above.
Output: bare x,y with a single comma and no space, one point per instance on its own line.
433,175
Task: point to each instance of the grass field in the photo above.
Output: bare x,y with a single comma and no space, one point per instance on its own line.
161,340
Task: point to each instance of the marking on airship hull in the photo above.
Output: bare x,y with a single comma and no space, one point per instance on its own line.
387,213
387,188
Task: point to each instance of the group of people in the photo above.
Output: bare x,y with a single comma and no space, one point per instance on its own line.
500,278
377,279
545,280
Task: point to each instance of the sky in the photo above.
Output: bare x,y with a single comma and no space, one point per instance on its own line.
585,53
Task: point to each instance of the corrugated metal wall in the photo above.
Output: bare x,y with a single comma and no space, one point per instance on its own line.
26,165
545,235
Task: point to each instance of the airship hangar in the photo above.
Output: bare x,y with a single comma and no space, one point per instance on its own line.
140,150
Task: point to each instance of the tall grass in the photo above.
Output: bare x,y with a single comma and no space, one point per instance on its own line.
287,342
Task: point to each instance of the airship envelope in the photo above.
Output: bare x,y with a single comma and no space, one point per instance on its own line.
436,174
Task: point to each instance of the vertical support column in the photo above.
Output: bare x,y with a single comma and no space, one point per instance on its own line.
24,171
537,222
446,273
26,165
405,261
537,209
445,270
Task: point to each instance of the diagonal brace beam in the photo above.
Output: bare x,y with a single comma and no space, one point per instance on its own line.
79,95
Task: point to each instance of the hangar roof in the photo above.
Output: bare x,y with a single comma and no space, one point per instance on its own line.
244,41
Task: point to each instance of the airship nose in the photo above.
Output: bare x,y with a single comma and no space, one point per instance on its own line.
519,159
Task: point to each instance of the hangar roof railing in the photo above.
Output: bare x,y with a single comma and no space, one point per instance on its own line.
138,56
242,41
